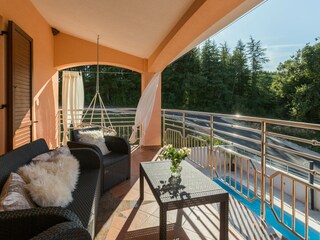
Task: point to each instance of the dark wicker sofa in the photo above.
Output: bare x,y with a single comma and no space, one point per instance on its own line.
76,221
116,164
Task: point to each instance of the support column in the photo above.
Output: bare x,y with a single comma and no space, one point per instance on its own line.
153,134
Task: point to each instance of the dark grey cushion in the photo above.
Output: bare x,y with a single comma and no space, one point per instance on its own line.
113,157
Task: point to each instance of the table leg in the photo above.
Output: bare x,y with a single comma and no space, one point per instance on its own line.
141,185
224,220
163,224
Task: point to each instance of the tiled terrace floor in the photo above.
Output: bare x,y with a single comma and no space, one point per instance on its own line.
121,218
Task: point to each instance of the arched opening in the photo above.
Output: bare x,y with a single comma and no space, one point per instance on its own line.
120,91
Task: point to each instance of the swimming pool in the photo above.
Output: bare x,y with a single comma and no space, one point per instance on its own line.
254,206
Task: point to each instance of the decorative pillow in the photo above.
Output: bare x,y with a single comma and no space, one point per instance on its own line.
94,137
46,156
14,195
51,182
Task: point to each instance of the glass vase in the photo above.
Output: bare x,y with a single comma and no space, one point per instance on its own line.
176,172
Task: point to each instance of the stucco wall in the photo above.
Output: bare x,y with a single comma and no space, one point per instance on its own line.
45,77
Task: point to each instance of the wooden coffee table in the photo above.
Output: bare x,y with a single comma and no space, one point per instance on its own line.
192,189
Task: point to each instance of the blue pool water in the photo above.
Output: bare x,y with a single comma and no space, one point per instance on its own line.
254,206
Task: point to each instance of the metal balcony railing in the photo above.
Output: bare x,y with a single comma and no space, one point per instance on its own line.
259,158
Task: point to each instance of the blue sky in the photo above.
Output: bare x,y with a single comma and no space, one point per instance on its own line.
282,26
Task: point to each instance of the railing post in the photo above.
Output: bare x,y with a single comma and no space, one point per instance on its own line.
211,146
164,138
59,128
263,170
311,181
184,129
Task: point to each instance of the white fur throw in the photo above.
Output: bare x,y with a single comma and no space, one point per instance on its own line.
51,182
46,156
94,137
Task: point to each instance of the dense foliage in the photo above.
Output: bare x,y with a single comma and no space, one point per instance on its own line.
213,78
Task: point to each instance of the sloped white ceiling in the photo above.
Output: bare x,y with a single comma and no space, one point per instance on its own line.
136,27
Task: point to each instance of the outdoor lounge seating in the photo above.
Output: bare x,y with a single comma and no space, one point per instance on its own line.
75,221
116,164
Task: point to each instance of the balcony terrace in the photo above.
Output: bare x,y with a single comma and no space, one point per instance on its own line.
251,157
291,185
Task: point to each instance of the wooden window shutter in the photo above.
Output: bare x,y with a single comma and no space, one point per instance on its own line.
19,69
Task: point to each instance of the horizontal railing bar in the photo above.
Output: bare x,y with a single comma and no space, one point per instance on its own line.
291,164
197,119
297,139
198,126
238,136
294,151
237,127
238,145
123,122
172,120
172,125
122,110
195,131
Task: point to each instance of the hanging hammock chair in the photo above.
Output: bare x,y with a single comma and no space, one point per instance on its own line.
97,106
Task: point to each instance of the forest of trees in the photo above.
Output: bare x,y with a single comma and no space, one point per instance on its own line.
213,78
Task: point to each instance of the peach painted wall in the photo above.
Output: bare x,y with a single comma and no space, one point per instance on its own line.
67,54
45,77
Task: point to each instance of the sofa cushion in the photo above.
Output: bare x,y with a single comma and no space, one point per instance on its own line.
84,195
14,195
113,157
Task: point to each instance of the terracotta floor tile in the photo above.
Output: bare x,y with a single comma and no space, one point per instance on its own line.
139,219
173,215
113,234
149,207
201,223
151,222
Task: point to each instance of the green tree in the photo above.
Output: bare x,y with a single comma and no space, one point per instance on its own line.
178,82
257,57
211,88
297,85
226,76
240,85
